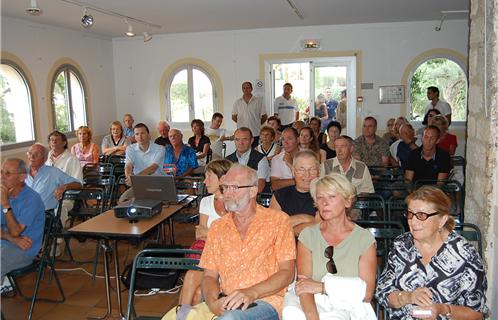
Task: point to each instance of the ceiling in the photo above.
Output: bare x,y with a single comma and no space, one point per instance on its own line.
209,15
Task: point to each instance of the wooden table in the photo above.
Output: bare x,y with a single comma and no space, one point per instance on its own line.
108,228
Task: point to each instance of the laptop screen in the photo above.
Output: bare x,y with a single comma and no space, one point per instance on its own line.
154,188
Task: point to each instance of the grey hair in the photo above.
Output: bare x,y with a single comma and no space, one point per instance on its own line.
252,175
43,148
22,167
306,154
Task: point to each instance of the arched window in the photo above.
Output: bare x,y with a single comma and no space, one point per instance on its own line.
191,95
451,80
68,99
16,108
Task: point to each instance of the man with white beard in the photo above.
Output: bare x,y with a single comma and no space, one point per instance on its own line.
250,253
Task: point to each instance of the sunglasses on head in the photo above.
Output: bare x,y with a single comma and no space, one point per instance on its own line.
329,253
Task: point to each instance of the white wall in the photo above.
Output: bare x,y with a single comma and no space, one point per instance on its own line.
387,49
40,46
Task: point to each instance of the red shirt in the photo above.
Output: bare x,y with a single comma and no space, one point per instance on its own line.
448,140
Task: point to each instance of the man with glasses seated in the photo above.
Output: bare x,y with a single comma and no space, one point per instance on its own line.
245,155
248,259
296,200
22,217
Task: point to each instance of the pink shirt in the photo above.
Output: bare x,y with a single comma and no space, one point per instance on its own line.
90,156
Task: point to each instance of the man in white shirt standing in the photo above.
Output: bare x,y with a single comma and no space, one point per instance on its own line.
443,106
217,135
248,111
285,107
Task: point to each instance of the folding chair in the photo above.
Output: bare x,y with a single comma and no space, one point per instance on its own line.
143,260
88,202
104,182
97,169
396,207
471,232
454,190
264,198
39,265
193,186
371,206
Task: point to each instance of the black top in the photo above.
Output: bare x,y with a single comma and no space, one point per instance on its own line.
294,202
428,170
162,141
200,146
330,153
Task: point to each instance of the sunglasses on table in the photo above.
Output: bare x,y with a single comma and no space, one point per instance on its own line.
329,253
422,216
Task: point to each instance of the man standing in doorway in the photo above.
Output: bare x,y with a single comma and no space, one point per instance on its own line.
442,106
248,111
285,107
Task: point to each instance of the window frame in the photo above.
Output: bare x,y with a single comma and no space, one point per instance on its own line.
463,67
66,68
190,93
16,66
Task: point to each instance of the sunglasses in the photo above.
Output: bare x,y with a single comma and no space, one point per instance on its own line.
329,253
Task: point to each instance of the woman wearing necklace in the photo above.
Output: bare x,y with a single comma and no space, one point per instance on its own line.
85,150
60,157
268,146
211,208
114,143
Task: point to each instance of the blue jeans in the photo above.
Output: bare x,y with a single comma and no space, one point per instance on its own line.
263,311
12,258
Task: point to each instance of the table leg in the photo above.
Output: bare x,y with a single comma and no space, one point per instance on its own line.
118,282
107,277
171,231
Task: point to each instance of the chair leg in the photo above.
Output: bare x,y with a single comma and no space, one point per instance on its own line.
96,260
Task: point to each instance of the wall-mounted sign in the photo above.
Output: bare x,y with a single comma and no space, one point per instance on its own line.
392,94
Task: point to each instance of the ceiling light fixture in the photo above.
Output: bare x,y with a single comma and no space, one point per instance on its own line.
87,20
33,8
147,36
295,9
130,32
444,14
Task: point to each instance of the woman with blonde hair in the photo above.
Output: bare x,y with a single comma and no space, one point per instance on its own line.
115,142
85,150
336,259
431,270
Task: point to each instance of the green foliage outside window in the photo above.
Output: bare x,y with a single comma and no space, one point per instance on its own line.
7,129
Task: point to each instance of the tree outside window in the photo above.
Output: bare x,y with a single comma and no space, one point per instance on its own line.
16,113
451,80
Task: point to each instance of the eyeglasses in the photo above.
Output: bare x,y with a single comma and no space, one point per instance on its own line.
232,187
422,216
9,173
329,253
303,171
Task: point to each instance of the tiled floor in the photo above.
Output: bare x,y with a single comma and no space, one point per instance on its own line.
84,296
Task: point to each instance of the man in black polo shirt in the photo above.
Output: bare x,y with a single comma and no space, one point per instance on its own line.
428,161
245,155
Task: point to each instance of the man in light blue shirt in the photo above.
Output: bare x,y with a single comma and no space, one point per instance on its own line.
21,218
49,182
142,158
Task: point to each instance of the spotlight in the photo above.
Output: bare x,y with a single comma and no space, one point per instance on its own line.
130,32
87,20
147,36
33,8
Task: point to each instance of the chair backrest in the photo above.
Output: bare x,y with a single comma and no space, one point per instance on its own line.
264,199
191,185
396,206
472,233
104,182
88,198
454,190
97,169
370,204
385,173
152,259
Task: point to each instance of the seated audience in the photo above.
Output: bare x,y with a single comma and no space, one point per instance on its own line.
199,142
298,125
333,131
393,148
211,208
217,135
128,128
49,182
407,144
369,147
296,200
142,158
274,122
249,255
179,158
22,219
245,155
85,150
308,141
267,144
344,163
428,162
316,124
114,143
447,141
163,129
431,267
335,258
389,135
281,164
60,157
426,122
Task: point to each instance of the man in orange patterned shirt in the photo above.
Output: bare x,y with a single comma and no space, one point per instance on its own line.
249,255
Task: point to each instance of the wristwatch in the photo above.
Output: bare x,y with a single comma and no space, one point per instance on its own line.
5,210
